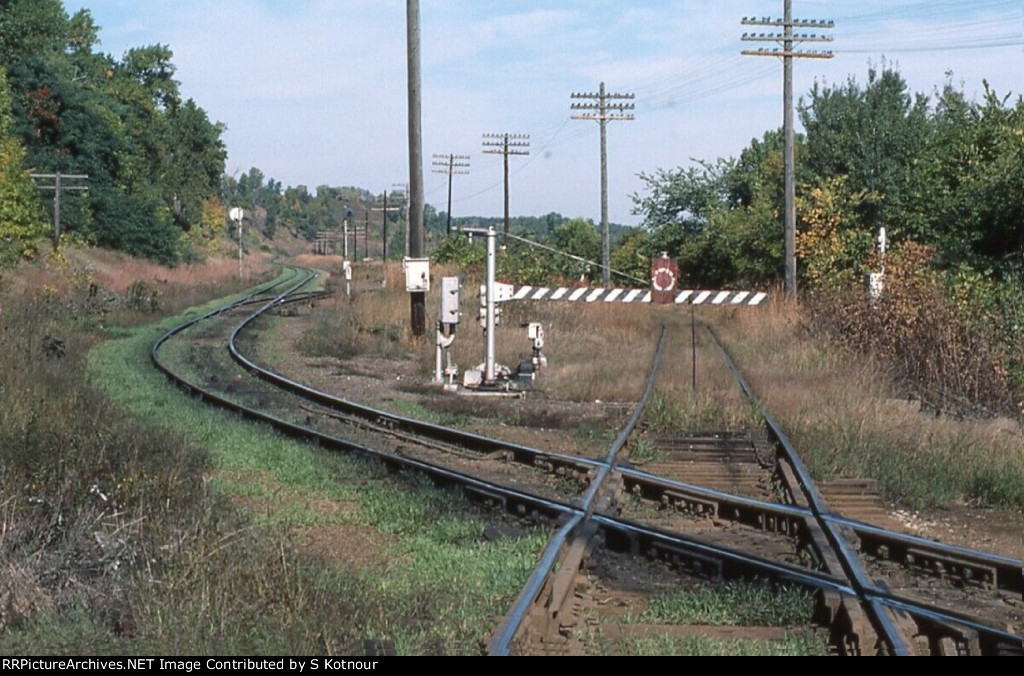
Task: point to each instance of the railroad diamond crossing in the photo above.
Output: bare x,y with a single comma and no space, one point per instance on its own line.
588,295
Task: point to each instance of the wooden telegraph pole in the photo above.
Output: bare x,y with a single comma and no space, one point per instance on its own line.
451,165
404,192
58,187
787,38
384,228
506,144
417,240
605,109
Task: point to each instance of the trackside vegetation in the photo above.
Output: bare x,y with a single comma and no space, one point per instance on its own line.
134,520
142,522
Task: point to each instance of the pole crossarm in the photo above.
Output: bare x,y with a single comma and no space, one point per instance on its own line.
83,177
608,107
787,39
452,165
505,145
799,53
794,23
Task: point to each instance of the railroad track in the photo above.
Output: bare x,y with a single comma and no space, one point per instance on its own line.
873,604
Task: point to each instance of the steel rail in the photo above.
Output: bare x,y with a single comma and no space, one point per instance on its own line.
492,492
847,558
749,511
654,537
510,625
985,568
644,537
878,598
488,490
875,598
251,297
543,506
501,641
699,557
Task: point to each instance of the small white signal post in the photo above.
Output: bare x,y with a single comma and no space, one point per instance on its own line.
237,214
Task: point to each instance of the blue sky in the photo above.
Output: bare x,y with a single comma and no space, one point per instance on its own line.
313,92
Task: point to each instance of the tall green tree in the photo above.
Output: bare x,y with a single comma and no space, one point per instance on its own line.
721,221
193,162
22,224
873,135
31,27
976,166
122,123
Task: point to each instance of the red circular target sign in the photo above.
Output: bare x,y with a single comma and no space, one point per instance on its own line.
663,279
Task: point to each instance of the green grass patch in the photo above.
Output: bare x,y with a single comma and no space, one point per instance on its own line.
228,580
676,412
643,450
735,604
414,409
947,467
732,604
799,645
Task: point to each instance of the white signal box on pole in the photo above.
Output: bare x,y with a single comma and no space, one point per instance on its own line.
450,300
417,275
503,292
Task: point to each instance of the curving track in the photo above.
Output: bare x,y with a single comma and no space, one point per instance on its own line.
801,540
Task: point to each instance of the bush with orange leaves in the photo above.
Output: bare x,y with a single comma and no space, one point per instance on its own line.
946,335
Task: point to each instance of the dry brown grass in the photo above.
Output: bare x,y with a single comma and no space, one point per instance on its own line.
843,411
85,489
596,351
840,410
100,285
373,320
117,540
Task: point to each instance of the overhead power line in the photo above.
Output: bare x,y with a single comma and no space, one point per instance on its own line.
575,258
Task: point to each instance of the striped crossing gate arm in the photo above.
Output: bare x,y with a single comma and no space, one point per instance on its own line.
683,297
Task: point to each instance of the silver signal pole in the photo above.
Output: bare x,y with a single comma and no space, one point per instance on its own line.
489,374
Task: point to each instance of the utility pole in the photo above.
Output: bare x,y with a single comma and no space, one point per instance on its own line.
58,187
404,191
366,234
452,164
506,144
787,38
605,111
417,248
384,227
